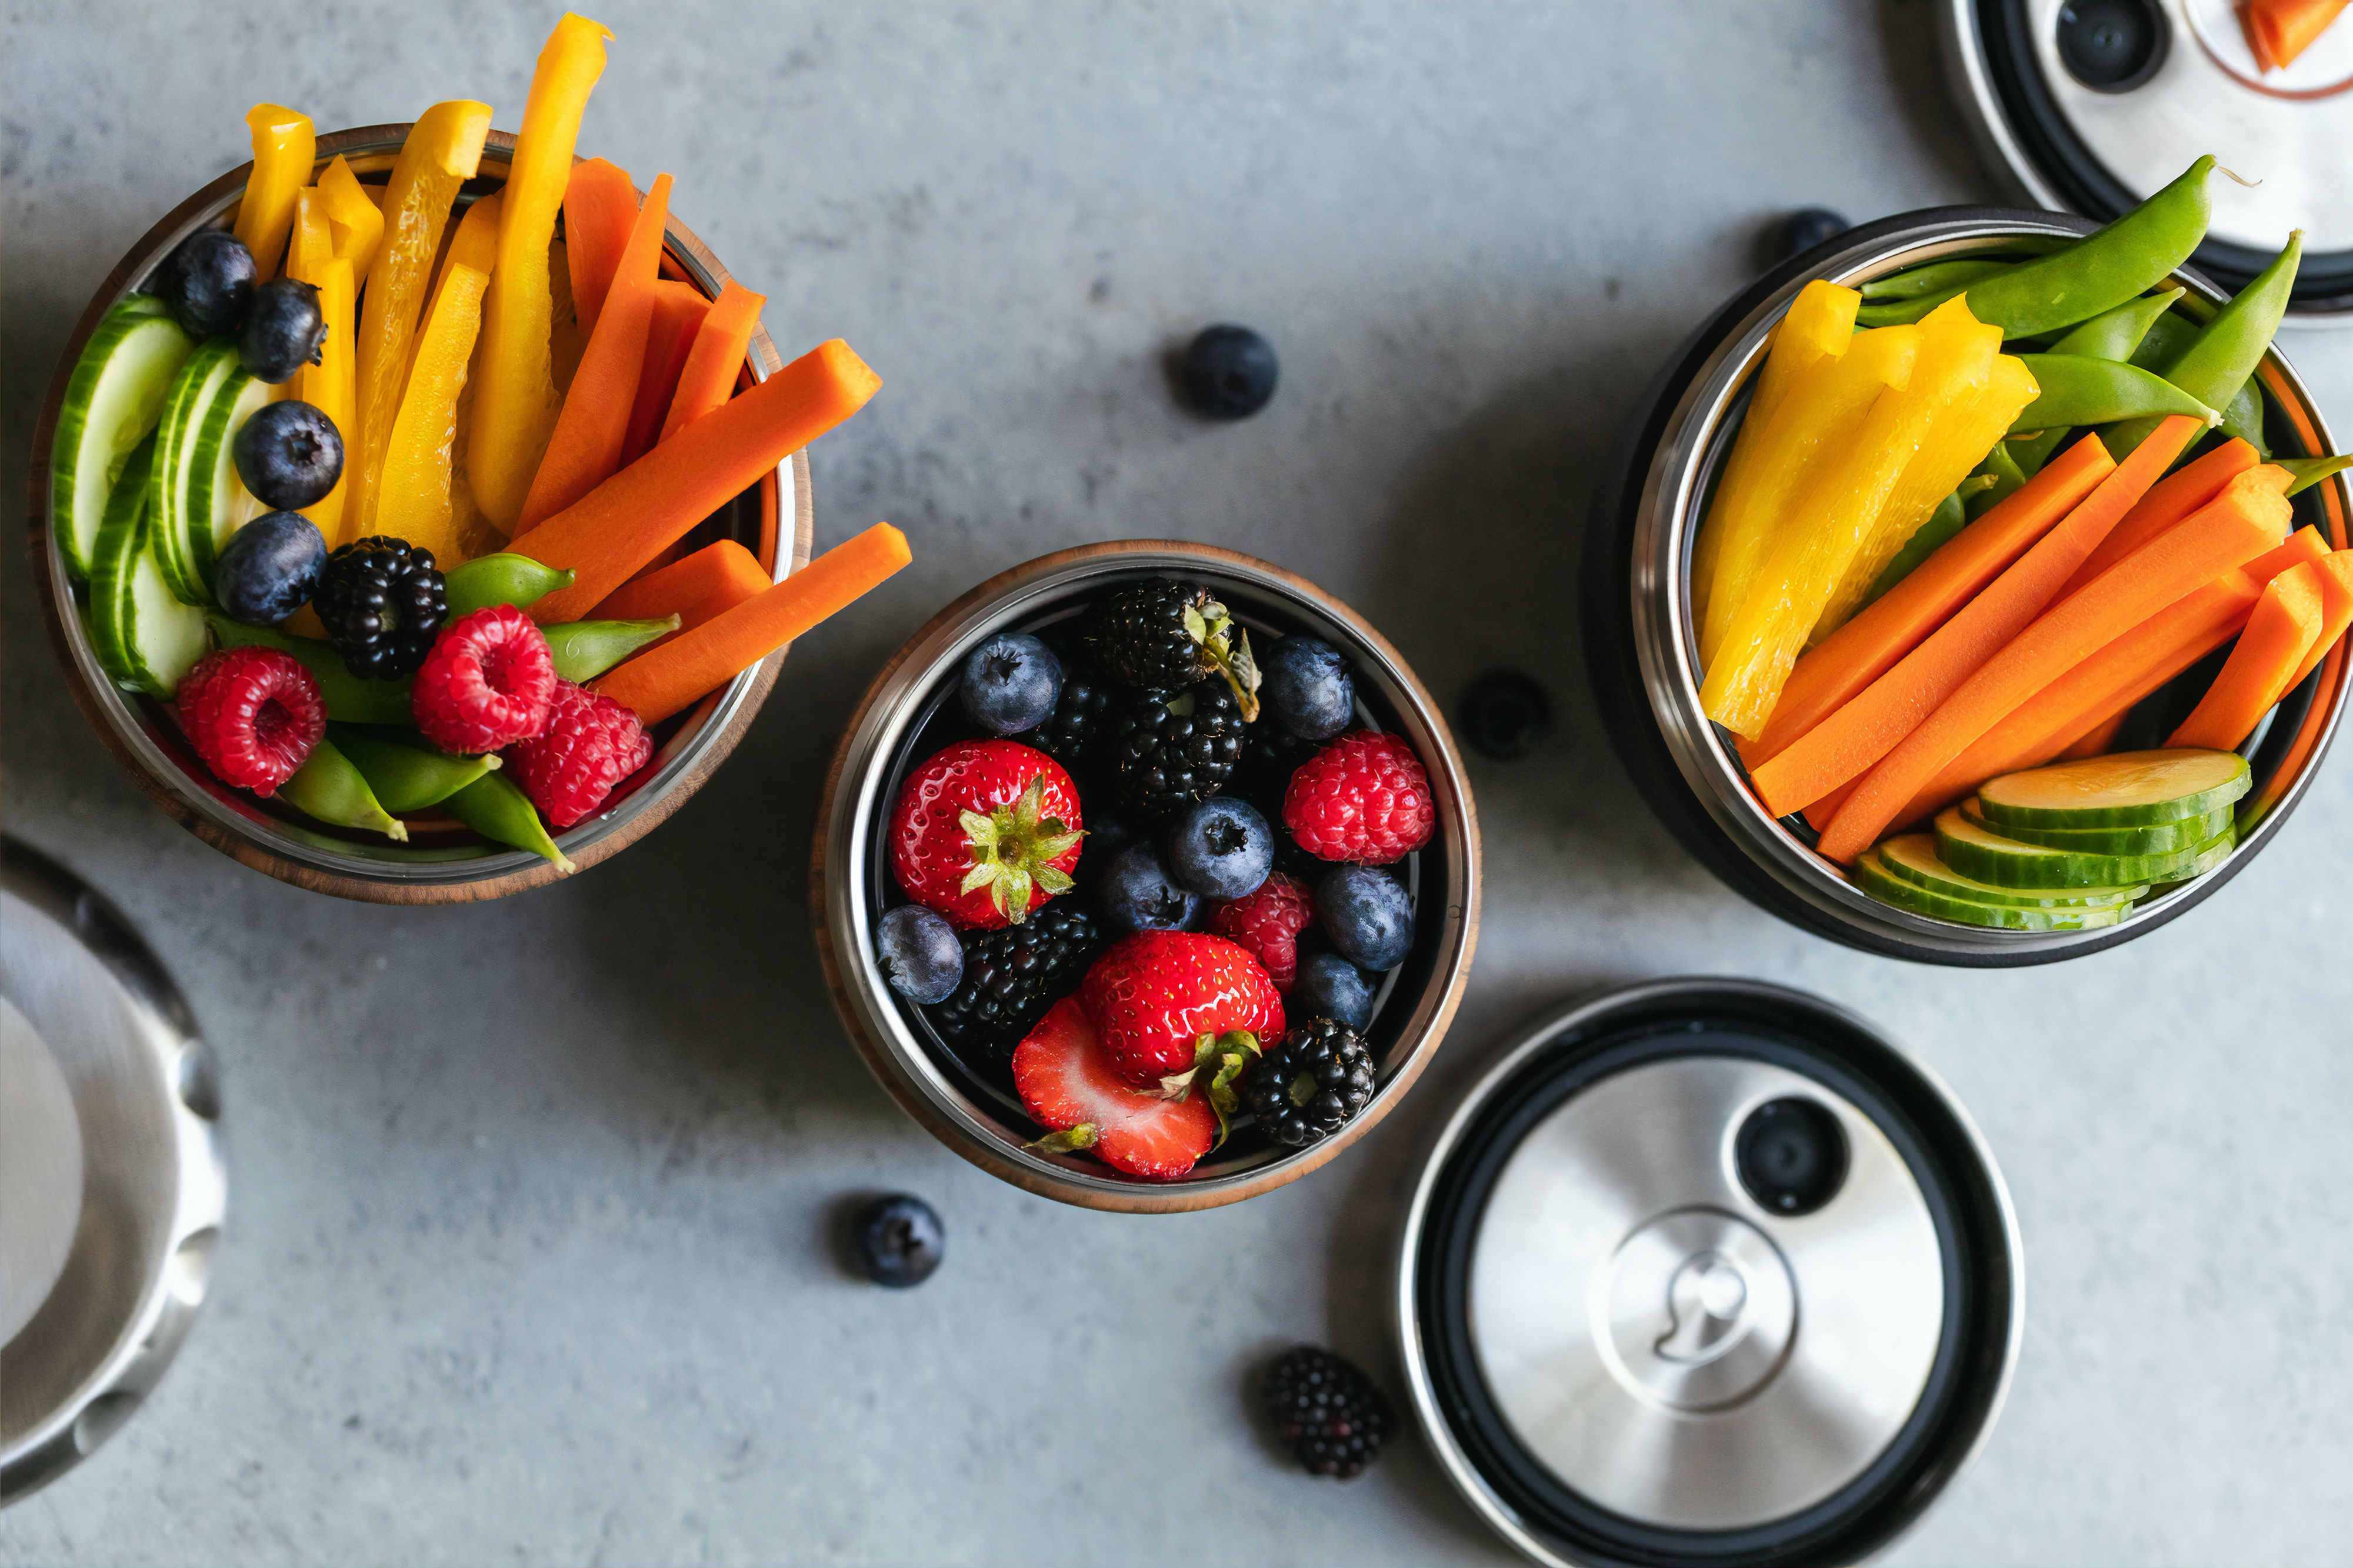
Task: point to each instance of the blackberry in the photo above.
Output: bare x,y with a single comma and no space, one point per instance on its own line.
1012,975
1308,1088
383,603
1171,750
1328,1412
1163,635
1073,733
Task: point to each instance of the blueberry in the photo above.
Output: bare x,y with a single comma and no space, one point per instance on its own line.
1367,916
288,454
919,954
1229,372
209,282
283,331
1329,986
1221,849
1010,683
270,568
1138,894
1308,686
1504,715
1801,232
900,1241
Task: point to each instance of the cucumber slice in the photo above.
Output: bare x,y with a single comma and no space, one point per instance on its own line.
115,400
199,381
143,635
2210,855
1984,856
218,502
2130,789
2156,838
1874,880
1912,857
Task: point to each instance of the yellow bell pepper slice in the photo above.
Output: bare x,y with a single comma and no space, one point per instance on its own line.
284,147
1837,514
312,243
443,150
353,218
1957,442
1817,326
413,490
1824,403
515,400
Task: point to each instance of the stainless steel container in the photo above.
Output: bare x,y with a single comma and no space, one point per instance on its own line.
1708,1272
980,1118
1640,647
137,1110
443,862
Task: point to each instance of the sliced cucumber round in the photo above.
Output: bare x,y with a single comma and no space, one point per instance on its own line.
2130,789
1912,857
2156,838
1984,856
218,502
2210,855
143,635
114,401
200,380
1876,880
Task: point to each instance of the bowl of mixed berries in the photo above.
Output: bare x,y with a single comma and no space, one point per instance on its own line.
1148,878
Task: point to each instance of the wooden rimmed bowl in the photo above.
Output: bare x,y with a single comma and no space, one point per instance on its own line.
443,862
910,711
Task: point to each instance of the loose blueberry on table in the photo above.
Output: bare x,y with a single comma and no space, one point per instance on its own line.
1229,372
900,1241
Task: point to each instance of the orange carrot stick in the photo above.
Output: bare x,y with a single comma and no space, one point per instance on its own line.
1867,647
600,208
2169,501
585,449
661,682
2336,576
2108,686
2286,624
2279,30
711,366
2095,740
678,310
1859,734
614,530
681,585
2249,517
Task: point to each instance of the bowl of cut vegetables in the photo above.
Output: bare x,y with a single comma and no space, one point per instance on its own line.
1972,588
419,511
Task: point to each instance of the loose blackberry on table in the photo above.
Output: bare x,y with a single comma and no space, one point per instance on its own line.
1163,635
1170,750
1013,975
1329,1413
383,603
1312,1085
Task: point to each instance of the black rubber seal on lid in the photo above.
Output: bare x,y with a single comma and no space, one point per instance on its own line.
1963,1381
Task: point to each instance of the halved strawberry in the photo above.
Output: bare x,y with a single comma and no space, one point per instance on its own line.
1067,1085
984,831
1167,1002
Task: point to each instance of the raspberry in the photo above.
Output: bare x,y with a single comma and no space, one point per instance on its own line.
1266,925
487,683
590,745
253,714
1363,797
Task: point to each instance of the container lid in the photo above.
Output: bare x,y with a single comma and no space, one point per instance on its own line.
1706,1271
2092,105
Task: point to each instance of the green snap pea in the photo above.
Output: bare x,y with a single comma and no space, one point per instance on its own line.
2310,471
504,578
495,807
2168,336
2217,363
2104,269
584,650
1949,518
329,788
1934,276
1904,313
2004,475
2077,390
2030,452
405,776
2115,334
348,697
2244,417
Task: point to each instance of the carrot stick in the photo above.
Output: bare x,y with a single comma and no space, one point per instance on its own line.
2169,501
585,449
1819,815
716,358
1859,734
2095,740
2246,519
617,528
2336,578
681,585
678,310
2286,624
600,207
2279,30
1867,647
660,683
2115,680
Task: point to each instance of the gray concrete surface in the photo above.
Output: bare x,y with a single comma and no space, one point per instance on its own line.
528,1254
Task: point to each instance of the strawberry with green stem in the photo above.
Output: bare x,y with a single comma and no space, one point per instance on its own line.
1166,1005
984,831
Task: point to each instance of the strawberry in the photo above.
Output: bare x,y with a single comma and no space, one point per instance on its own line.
1266,925
1168,1003
1067,1085
1363,797
985,831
